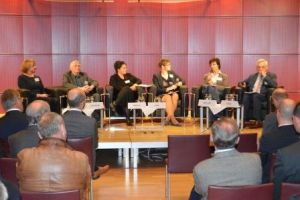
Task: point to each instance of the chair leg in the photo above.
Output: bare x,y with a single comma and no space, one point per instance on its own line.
167,187
91,191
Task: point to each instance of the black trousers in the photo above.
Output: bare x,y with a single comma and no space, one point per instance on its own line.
253,106
123,97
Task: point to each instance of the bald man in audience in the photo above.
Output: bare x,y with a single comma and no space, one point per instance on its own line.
287,168
270,121
282,136
14,119
53,165
79,125
28,137
227,167
75,78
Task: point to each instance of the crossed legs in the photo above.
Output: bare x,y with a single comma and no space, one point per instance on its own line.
171,105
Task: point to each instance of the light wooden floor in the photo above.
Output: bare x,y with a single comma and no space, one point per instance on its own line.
147,183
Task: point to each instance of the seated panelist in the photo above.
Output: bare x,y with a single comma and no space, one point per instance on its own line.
30,81
76,78
167,83
215,81
125,89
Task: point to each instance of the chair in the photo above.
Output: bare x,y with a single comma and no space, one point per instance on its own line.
85,145
184,152
8,169
247,143
65,195
249,192
288,190
4,148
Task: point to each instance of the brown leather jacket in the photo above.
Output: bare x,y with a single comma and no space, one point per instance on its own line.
53,166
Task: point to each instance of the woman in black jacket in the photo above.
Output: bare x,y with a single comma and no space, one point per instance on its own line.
167,83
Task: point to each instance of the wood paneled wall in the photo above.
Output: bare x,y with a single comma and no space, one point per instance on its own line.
189,34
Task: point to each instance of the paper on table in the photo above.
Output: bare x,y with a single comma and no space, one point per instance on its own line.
145,85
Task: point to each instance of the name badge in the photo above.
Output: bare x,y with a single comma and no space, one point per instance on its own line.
219,78
37,79
171,75
127,81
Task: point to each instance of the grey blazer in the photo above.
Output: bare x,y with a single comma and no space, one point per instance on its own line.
69,80
229,168
78,125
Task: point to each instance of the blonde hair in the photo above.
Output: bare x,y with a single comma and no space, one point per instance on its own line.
163,62
27,64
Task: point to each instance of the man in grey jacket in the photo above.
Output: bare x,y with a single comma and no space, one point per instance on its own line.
227,167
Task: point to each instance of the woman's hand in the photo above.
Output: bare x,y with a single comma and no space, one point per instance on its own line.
133,87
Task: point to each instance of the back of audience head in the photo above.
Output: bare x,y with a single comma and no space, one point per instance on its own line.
278,95
11,98
296,117
35,110
76,98
51,125
3,192
225,133
285,111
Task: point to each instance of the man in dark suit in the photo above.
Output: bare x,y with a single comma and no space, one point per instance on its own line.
227,167
258,85
75,78
28,137
282,136
270,121
287,168
78,125
14,119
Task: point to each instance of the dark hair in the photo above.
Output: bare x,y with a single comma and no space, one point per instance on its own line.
297,110
118,64
217,60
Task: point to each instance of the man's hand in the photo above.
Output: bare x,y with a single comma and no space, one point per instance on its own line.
264,73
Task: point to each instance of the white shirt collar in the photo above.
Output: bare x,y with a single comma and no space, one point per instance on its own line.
75,109
13,109
223,150
285,124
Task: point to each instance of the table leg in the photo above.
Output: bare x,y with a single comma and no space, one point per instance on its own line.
207,117
135,157
134,118
238,117
101,118
201,119
126,157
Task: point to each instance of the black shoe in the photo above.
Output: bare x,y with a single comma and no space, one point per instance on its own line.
129,122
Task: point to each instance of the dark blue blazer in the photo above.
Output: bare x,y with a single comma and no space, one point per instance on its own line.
12,122
270,81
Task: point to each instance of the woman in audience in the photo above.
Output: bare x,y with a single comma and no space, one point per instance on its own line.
33,85
167,83
125,89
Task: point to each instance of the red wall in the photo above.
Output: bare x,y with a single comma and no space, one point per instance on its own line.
237,31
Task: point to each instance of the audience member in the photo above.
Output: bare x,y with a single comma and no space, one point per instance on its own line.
14,119
125,89
167,83
227,167
34,86
75,78
282,136
257,85
53,165
287,168
11,190
78,125
270,120
215,81
28,137
3,192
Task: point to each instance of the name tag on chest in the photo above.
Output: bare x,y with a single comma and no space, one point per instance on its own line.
127,81
36,79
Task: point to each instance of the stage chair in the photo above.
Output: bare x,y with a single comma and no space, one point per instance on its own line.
249,192
247,143
65,195
184,152
8,169
288,190
85,145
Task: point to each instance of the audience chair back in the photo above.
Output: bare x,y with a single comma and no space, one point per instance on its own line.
4,148
84,145
184,152
250,192
288,190
247,143
8,169
65,195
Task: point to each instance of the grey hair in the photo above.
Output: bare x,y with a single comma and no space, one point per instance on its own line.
3,192
9,98
75,97
35,110
264,61
49,124
225,133
279,94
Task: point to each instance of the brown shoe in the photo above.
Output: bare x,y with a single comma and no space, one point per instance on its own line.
100,171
